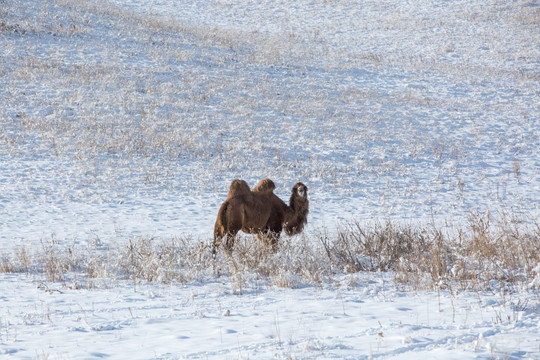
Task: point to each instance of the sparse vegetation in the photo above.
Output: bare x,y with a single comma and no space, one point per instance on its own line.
123,122
485,255
165,101
135,115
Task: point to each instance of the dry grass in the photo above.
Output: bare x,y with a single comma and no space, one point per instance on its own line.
145,95
483,255
162,102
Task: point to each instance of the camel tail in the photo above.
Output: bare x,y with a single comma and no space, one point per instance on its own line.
219,227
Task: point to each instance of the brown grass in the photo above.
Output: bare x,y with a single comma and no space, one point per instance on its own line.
488,253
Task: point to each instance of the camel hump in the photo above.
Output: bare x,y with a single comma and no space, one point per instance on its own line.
265,185
238,187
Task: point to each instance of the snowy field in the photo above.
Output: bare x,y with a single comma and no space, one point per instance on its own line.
128,119
370,320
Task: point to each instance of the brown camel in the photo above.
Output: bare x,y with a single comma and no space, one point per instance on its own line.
260,212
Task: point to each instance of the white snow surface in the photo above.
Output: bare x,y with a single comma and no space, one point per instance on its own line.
406,111
365,318
130,118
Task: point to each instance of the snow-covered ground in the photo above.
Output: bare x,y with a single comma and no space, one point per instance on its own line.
370,319
124,125
130,118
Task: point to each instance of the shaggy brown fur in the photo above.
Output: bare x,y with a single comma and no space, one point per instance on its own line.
260,212
265,185
238,187
298,209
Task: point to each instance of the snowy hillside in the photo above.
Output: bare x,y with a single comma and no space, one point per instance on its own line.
128,119
118,123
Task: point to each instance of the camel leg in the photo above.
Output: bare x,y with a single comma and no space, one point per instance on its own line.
227,239
274,233
269,238
273,241
215,244
218,239
229,243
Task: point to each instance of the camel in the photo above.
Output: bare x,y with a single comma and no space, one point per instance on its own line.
260,211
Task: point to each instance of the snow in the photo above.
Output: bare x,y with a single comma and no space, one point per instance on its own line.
129,118
370,319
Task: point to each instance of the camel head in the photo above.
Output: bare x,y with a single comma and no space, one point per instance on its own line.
300,190
296,216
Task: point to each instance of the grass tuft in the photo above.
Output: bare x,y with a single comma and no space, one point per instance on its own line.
487,254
